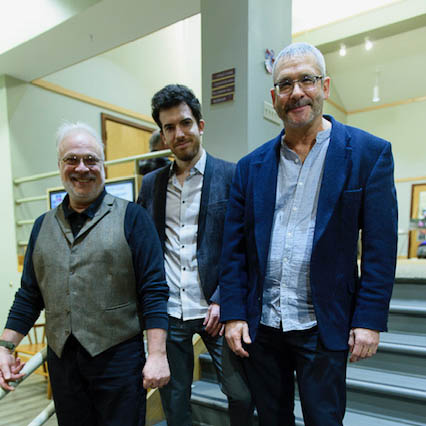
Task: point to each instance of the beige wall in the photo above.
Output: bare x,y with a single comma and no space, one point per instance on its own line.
9,278
402,126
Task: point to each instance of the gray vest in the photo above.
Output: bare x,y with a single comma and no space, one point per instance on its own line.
87,282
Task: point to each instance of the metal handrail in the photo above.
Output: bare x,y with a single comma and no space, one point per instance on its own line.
147,156
25,222
44,416
34,362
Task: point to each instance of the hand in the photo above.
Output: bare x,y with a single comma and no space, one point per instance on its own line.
235,331
363,343
156,372
10,369
211,321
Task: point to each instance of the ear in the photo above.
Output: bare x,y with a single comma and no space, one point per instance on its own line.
326,87
273,94
201,125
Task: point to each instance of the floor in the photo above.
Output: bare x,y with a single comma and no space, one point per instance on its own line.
21,406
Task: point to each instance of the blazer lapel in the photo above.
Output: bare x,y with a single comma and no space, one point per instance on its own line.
265,173
336,169
64,224
205,192
104,209
159,203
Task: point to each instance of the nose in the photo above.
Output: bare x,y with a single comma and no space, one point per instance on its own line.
179,132
297,90
81,166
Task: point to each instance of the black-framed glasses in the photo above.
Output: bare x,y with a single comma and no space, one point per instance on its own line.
306,83
75,160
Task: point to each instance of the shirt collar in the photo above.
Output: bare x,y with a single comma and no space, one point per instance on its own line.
89,212
322,136
199,166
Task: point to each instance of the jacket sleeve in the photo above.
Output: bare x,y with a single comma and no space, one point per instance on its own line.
233,276
379,246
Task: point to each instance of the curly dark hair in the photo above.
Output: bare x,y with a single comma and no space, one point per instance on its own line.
172,95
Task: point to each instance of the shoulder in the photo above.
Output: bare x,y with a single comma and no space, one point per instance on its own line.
259,153
219,164
135,213
150,178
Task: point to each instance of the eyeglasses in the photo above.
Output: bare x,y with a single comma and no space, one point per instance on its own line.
306,83
88,160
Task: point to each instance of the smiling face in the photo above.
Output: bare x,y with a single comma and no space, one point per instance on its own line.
181,132
85,180
300,108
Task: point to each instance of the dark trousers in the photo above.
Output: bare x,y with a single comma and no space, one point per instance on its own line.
176,395
105,390
321,375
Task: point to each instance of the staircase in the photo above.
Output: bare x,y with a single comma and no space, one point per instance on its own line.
386,390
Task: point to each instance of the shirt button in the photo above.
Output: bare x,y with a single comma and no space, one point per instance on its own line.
184,268
295,209
183,225
183,289
183,202
296,161
300,183
285,260
183,246
289,234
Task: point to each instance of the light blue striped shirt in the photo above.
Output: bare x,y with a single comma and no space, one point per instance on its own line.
287,297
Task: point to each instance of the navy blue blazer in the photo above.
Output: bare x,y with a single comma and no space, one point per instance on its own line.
217,181
357,193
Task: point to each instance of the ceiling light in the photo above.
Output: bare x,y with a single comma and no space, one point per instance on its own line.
376,95
368,44
342,51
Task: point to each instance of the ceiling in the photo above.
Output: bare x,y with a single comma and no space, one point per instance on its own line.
397,28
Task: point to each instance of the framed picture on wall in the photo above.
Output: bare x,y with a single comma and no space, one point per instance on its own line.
417,214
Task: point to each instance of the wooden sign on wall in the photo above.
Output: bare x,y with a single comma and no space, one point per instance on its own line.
223,86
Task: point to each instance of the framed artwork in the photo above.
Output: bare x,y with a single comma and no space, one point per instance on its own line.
418,212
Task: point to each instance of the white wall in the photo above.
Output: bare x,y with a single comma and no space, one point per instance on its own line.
402,126
130,75
9,277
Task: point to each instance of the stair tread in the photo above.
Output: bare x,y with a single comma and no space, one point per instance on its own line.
210,393
405,339
386,378
374,376
409,303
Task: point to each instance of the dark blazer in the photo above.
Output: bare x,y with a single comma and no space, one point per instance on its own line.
357,192
217,180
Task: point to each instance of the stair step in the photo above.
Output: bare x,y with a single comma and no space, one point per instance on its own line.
387,394
210,408
373,391
407,316
400,353
409,289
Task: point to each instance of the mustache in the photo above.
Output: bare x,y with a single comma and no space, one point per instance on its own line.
298,104
86,176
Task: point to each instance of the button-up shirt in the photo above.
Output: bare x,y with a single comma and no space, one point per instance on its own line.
186,299
287,298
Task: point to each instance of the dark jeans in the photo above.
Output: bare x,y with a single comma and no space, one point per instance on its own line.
321,376
176,395
105,390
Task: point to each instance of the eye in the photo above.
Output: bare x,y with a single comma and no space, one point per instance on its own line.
308,79
285,84
90,160
187,122
71,160
168,128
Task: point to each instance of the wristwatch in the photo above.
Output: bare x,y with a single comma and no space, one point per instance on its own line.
9,345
